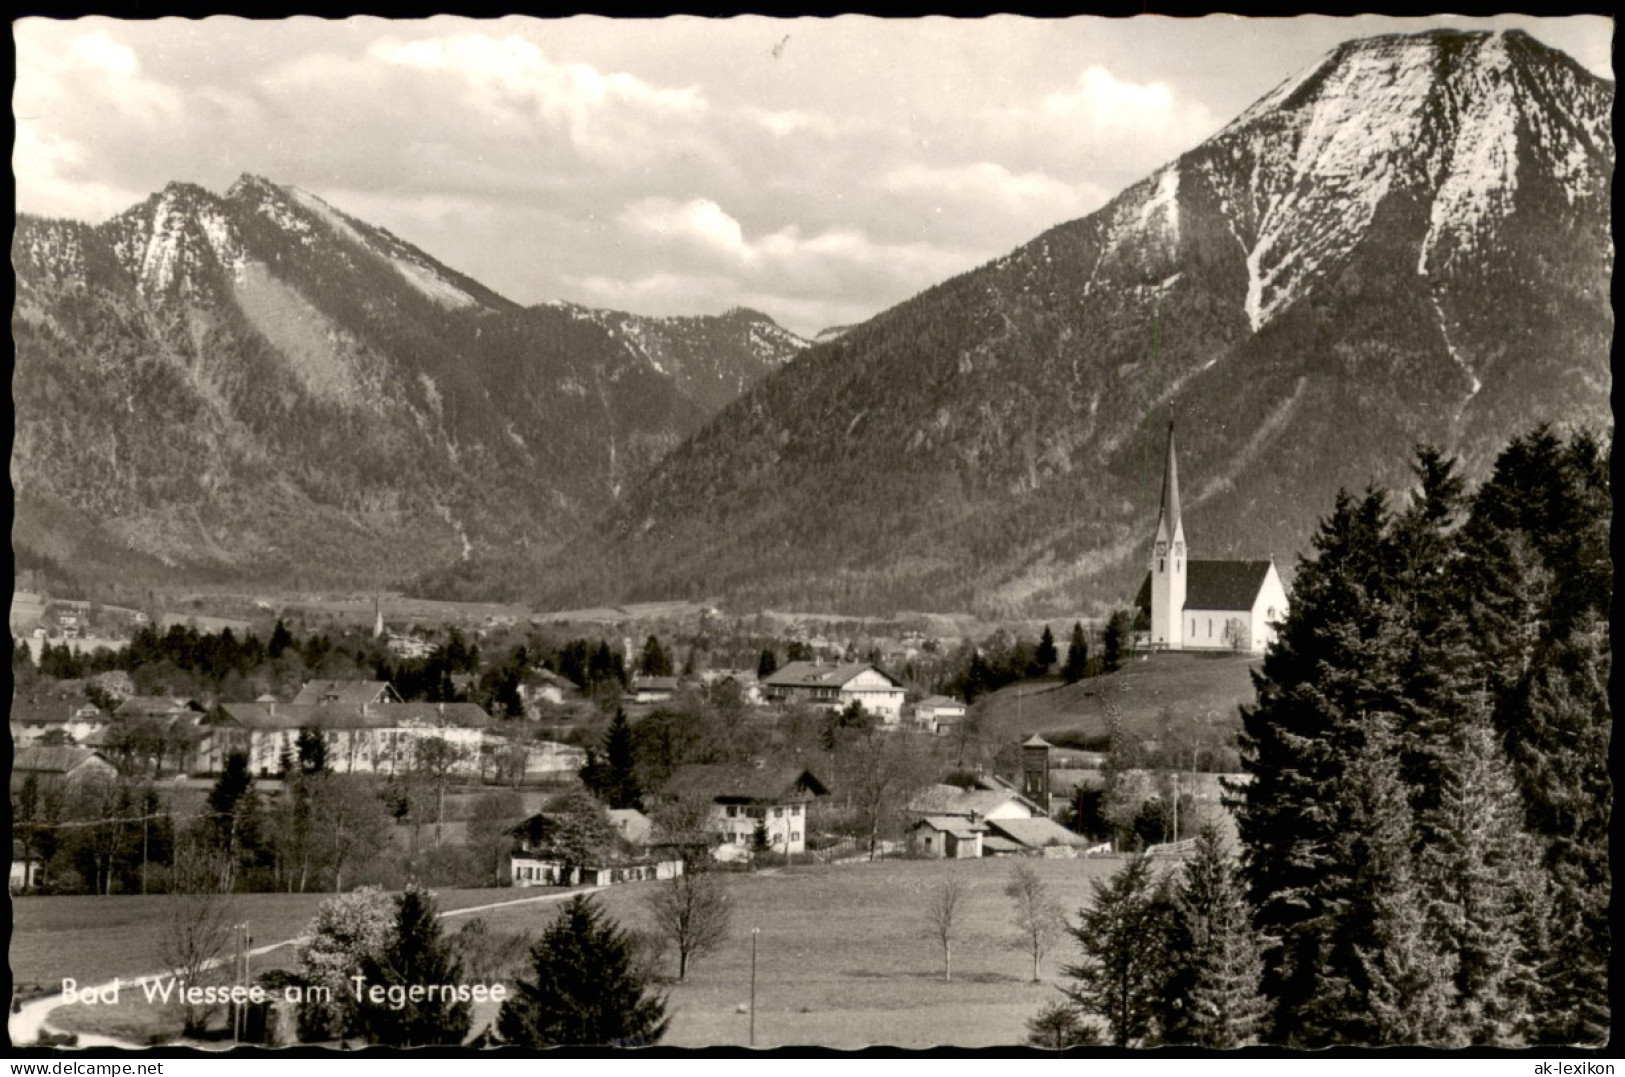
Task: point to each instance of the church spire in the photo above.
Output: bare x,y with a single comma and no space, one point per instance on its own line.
1168,522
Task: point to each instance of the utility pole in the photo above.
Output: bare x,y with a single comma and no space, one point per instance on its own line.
754,933
144,819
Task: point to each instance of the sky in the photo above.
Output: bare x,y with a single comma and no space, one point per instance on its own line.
817,170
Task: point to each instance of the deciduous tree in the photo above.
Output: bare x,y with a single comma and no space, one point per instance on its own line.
692,912
1039,920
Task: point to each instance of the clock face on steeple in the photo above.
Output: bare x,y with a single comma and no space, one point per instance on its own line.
1162,548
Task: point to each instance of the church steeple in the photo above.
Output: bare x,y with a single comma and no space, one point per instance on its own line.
1169,525
1168,563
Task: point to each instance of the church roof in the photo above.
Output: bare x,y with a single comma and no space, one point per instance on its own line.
1215,585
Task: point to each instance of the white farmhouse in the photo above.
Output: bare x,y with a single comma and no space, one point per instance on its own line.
875,690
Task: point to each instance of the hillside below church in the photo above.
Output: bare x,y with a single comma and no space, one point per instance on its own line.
258,387
1409,242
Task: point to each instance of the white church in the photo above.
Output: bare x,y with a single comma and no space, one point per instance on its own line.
1205,605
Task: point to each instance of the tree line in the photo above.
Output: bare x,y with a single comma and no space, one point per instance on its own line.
1425,829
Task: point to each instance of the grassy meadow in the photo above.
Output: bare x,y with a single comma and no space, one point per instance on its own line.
1191,686
843,956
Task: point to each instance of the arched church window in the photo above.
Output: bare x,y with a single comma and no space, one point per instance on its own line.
1162,565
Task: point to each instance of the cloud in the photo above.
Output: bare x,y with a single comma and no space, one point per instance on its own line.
510,81
995,188
1101,104
699,220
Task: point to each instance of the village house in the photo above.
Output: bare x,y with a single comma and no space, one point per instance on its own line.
535,860
364,738
60,763
739,799
138,707
545,686
71,722
1031,837
346,693
946,837
652,689
25,871
743,681
1204,605
989,799
837,686
938,714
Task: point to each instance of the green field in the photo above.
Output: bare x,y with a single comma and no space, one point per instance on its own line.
842,961
93,939
1188,685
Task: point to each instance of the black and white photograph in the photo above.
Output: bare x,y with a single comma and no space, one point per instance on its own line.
1048,536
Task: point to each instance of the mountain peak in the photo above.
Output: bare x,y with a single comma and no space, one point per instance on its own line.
249,183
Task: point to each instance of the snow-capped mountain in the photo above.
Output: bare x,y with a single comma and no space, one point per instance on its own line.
258,384
1408,242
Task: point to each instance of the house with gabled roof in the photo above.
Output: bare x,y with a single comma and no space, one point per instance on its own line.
988,799
1205,605
1026,837
837,686
347,693
536,858
653,689
739,798
63,763
364,738
946,837
939,714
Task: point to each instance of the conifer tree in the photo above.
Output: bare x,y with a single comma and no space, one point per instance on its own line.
1077,656
1123,935
584,988
1216,968
1331,667
1482,875
620,778
417,953
1387,982
1045,656
654,661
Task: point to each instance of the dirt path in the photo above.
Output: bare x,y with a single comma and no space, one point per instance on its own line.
33,1017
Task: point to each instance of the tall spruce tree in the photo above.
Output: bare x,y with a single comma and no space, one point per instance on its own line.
654,662
1213,997
1076,666
1123,935
1045,656
584,988
418,953
1331,667
1482,877
620,776
1386,981
1537,584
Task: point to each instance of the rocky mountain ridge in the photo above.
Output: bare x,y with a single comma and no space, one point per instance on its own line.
1409,242
258,385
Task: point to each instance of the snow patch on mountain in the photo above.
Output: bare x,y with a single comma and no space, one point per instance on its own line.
330,216
1345,158
1483,158
432,284
1165,198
